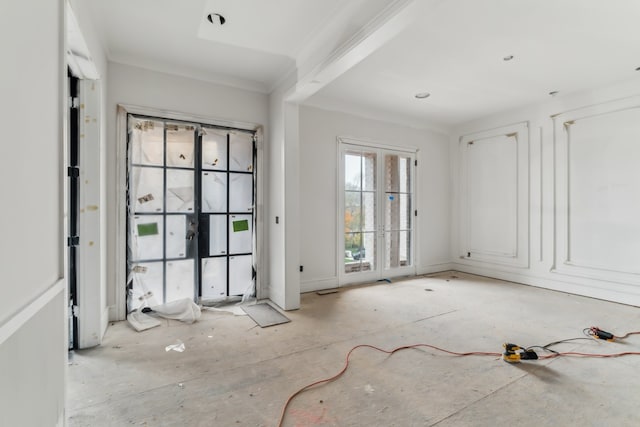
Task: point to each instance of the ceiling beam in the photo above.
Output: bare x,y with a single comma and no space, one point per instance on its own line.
315,73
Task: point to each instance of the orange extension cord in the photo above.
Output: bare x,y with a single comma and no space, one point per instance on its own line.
454,353
346,365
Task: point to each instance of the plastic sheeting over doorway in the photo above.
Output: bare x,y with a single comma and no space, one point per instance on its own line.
191,219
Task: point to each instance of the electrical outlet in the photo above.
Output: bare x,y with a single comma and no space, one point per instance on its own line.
301,268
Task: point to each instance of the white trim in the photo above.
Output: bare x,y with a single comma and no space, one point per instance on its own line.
520,256
119,311
380,271
261,289
370,143
563,265
541,196
615,292
435,268
318,284
91,282
188,72
175,115
22,316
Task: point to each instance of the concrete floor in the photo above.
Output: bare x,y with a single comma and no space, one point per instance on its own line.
233,373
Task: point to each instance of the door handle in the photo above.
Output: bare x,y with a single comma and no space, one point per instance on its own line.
191,232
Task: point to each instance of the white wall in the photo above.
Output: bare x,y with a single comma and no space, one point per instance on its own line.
283,213
142,87
32,294
582,207
319,200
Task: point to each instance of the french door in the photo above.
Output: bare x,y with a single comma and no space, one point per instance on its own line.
377,206
190,212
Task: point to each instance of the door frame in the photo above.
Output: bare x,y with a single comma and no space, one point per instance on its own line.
123,110
380,274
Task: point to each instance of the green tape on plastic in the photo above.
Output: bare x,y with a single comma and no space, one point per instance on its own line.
149,229
240,225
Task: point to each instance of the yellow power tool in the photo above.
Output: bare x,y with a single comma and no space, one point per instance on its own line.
514,353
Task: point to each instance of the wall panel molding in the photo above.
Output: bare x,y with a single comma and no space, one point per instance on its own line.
494,196
597,211
22,316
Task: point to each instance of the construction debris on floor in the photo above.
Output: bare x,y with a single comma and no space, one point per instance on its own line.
233,373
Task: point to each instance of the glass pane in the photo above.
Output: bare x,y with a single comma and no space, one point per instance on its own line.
180,145
180,283
146,237
352,211
368,252
369,171
240,192
179,190
214,149
352,171
397,173
397,249
397,211
146,189
241,152
217,234
352,245
360,251
369,212
240,275
240,234
214,278
147,285
214,192
146,142
176,236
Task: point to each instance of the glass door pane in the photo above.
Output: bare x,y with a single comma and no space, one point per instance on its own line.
161,255
227,216
377,205
191,200
398,210
360,211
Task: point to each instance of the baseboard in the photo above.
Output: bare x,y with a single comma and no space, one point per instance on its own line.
105,322
113,314
313,285
613,292
318,284
434,268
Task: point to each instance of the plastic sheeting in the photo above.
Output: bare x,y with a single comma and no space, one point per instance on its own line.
141,321
184,310
161,209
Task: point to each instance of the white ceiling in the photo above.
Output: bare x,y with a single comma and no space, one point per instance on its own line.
254,49
280,27
452,49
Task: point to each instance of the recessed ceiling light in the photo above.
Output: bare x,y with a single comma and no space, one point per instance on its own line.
554,92
216,19
422,95
508,58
